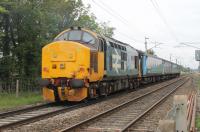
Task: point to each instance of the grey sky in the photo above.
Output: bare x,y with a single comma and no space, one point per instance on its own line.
135,19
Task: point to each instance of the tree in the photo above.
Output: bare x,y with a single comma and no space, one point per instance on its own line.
106,30
27,25
151,52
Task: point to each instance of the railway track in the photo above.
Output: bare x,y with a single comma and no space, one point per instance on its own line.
32,114
39,112
35,113
22,116
123,116
14,112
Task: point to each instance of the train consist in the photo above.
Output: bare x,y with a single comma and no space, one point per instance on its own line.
80,64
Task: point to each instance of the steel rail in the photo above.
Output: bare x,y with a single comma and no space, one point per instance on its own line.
116,107
28,109
53,113
152,107
50,114
42,116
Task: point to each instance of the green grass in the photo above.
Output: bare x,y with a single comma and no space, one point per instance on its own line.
198,122
11,101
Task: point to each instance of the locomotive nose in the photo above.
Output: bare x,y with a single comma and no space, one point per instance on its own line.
65,59
63,53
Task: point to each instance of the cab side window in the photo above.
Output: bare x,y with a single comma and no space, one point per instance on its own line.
101,45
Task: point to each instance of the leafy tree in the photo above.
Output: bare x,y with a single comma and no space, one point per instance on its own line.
151,52
27,25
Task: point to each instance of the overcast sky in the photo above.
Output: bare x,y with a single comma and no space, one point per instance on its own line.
170,22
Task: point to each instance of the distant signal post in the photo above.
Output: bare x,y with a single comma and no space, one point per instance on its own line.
197,57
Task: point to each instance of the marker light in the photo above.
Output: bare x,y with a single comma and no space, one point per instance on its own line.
62,66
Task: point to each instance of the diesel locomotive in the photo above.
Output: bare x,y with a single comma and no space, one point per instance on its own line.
81,64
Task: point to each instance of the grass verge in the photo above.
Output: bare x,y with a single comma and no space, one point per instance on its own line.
11,101
198,122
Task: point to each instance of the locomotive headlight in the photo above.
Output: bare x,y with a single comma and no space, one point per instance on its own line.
62,66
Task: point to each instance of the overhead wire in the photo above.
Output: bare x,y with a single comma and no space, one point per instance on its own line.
192,42
189,45
126,21
118,17
160,14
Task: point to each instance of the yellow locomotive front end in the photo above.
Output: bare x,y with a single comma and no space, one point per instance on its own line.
67,66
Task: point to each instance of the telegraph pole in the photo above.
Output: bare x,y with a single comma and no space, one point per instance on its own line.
145,44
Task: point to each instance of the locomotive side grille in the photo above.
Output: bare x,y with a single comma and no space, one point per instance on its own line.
94,61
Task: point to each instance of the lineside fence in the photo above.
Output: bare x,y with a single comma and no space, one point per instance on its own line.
19,85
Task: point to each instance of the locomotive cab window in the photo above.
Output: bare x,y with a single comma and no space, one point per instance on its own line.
88,38
77,35
64,36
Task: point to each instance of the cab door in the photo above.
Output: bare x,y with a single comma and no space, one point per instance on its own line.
98,62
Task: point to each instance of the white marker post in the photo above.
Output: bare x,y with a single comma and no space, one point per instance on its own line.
17,88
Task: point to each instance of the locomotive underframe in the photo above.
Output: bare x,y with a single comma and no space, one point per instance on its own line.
111,85
106,86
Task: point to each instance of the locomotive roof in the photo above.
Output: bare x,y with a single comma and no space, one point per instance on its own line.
113,40
117,41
